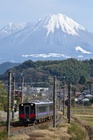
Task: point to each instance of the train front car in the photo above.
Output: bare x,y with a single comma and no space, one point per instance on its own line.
27,113
34,112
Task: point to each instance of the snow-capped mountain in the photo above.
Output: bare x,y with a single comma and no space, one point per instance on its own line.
11,28
55,37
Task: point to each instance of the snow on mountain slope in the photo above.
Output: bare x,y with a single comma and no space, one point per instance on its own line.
55,37
11,28
78,48
66,24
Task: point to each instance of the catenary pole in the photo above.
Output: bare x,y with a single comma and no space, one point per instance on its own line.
22,98
54,104
13,98
9,103
63,100
68,102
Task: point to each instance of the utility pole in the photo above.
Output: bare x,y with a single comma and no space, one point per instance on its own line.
63,95
59,97
13,98
54,104
9,103
68,111
63,100
22,91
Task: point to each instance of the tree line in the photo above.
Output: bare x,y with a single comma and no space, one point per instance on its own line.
70,70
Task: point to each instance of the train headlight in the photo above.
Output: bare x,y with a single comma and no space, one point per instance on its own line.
21,104
31,104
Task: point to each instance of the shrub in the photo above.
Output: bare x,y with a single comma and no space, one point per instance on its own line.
77,132
3,135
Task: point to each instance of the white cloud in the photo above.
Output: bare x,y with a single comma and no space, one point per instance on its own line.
80,56
46,55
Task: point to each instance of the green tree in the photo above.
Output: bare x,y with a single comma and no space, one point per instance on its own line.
3,97
82,80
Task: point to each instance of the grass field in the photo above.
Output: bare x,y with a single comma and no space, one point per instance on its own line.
85,114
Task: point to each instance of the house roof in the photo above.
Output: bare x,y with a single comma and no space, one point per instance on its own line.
88,95
85,100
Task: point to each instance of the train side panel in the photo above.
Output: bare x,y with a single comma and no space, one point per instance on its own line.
41,111
50,109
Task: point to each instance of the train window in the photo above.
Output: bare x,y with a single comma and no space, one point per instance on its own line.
42,109
33,109
21,109
27,109
51,107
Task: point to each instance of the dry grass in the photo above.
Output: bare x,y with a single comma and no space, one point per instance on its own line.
20,137
58,133
51,134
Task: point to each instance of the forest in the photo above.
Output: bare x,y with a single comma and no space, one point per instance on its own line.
70,70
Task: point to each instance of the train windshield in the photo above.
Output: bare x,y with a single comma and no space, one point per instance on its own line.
21,109
27,111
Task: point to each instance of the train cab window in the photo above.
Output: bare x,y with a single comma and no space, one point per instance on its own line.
32,109
21,109
27,110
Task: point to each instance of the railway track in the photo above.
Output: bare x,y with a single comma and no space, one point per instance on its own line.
16,128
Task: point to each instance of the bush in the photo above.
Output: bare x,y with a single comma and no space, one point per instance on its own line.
3,135
44,126
77,132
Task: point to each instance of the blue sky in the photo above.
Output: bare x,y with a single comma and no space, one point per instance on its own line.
19,11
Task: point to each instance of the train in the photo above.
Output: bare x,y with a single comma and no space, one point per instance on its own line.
35,111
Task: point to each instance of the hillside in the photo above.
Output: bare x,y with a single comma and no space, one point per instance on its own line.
41,71
7,65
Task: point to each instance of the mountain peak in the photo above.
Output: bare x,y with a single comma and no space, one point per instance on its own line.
66,24
65,38
11,27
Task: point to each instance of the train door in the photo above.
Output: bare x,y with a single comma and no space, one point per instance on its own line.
27,111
